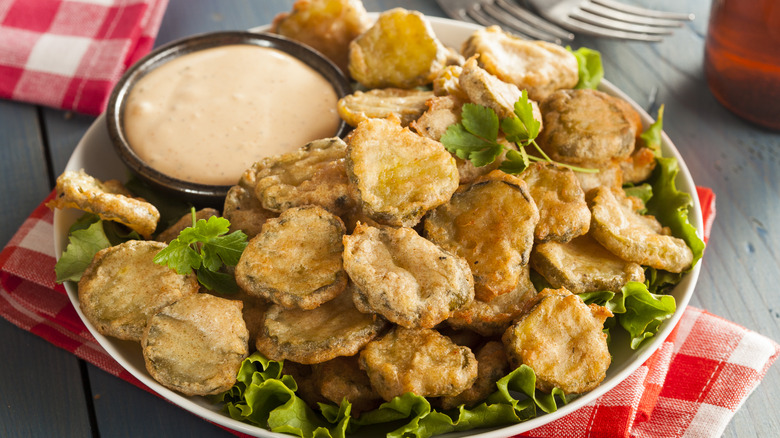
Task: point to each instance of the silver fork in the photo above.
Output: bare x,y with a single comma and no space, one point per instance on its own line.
610,18
606,18
508,15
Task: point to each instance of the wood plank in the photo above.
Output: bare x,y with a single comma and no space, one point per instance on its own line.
41,389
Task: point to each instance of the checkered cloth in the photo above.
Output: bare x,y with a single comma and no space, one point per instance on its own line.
691,386
68,54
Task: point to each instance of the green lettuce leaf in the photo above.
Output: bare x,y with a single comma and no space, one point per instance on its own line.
589,66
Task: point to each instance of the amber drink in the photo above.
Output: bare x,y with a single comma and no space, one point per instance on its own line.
742,58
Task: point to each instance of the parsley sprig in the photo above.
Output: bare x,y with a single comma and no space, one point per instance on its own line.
475,138
206,248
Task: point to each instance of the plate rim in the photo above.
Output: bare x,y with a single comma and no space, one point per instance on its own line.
62,218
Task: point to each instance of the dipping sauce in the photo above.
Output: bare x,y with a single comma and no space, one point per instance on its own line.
206,116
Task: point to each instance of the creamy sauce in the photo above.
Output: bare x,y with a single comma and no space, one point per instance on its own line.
207,116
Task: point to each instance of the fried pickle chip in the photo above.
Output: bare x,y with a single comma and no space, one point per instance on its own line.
306,380
537,66
400,50
487,90
583,265
494,317
563,212
398,174
196,345
173,231
404,277
341,378
638,166
123,287
295,261
587,127
243,209
447,82
333,329
326,25
632,236
421,361
407,105
109,200
609,174
492,365
561,339
313,175
491,224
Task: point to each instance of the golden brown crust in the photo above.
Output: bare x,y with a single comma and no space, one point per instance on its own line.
295,261
196,345
123,287
341,378
406,105
492,365
563,212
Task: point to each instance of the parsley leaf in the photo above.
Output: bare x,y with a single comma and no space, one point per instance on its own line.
206,248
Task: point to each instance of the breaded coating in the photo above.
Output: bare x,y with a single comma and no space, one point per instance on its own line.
492,318
398,175
315,174
491,224
306,380
492,365
583,265
638,166
487,90
407,105
173,231
326,25
243,209
446,82
537,66
196,345
561,339
404,277
587,127
632,236
608,175
109,200
342,378
420,361
295,261
334,329
563,212
400,50
123,287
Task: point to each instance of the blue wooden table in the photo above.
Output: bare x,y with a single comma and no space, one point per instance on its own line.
46,392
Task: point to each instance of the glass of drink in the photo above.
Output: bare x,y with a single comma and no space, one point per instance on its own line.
742,58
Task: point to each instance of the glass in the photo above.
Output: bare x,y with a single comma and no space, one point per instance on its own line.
742,58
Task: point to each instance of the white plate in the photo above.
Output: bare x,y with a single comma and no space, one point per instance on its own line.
96,156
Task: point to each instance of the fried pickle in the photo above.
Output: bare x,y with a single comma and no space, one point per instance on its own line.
588,127
492,365
561,339
537,66
638,166
400,50
491,224
407,105
492,318
404,277
123,287
632,236
313,175
583,265
333,329
109,200
295,261
196,345
398,174
421,361
487,90
326,25
243,209
341,378
563,212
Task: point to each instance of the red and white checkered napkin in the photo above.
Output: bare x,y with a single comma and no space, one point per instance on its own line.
68,54
690,387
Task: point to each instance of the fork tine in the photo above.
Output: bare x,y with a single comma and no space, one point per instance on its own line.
603,11
609,23
506,19
636,10
584,27
535,20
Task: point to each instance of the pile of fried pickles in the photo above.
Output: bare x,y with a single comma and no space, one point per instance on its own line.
382,263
